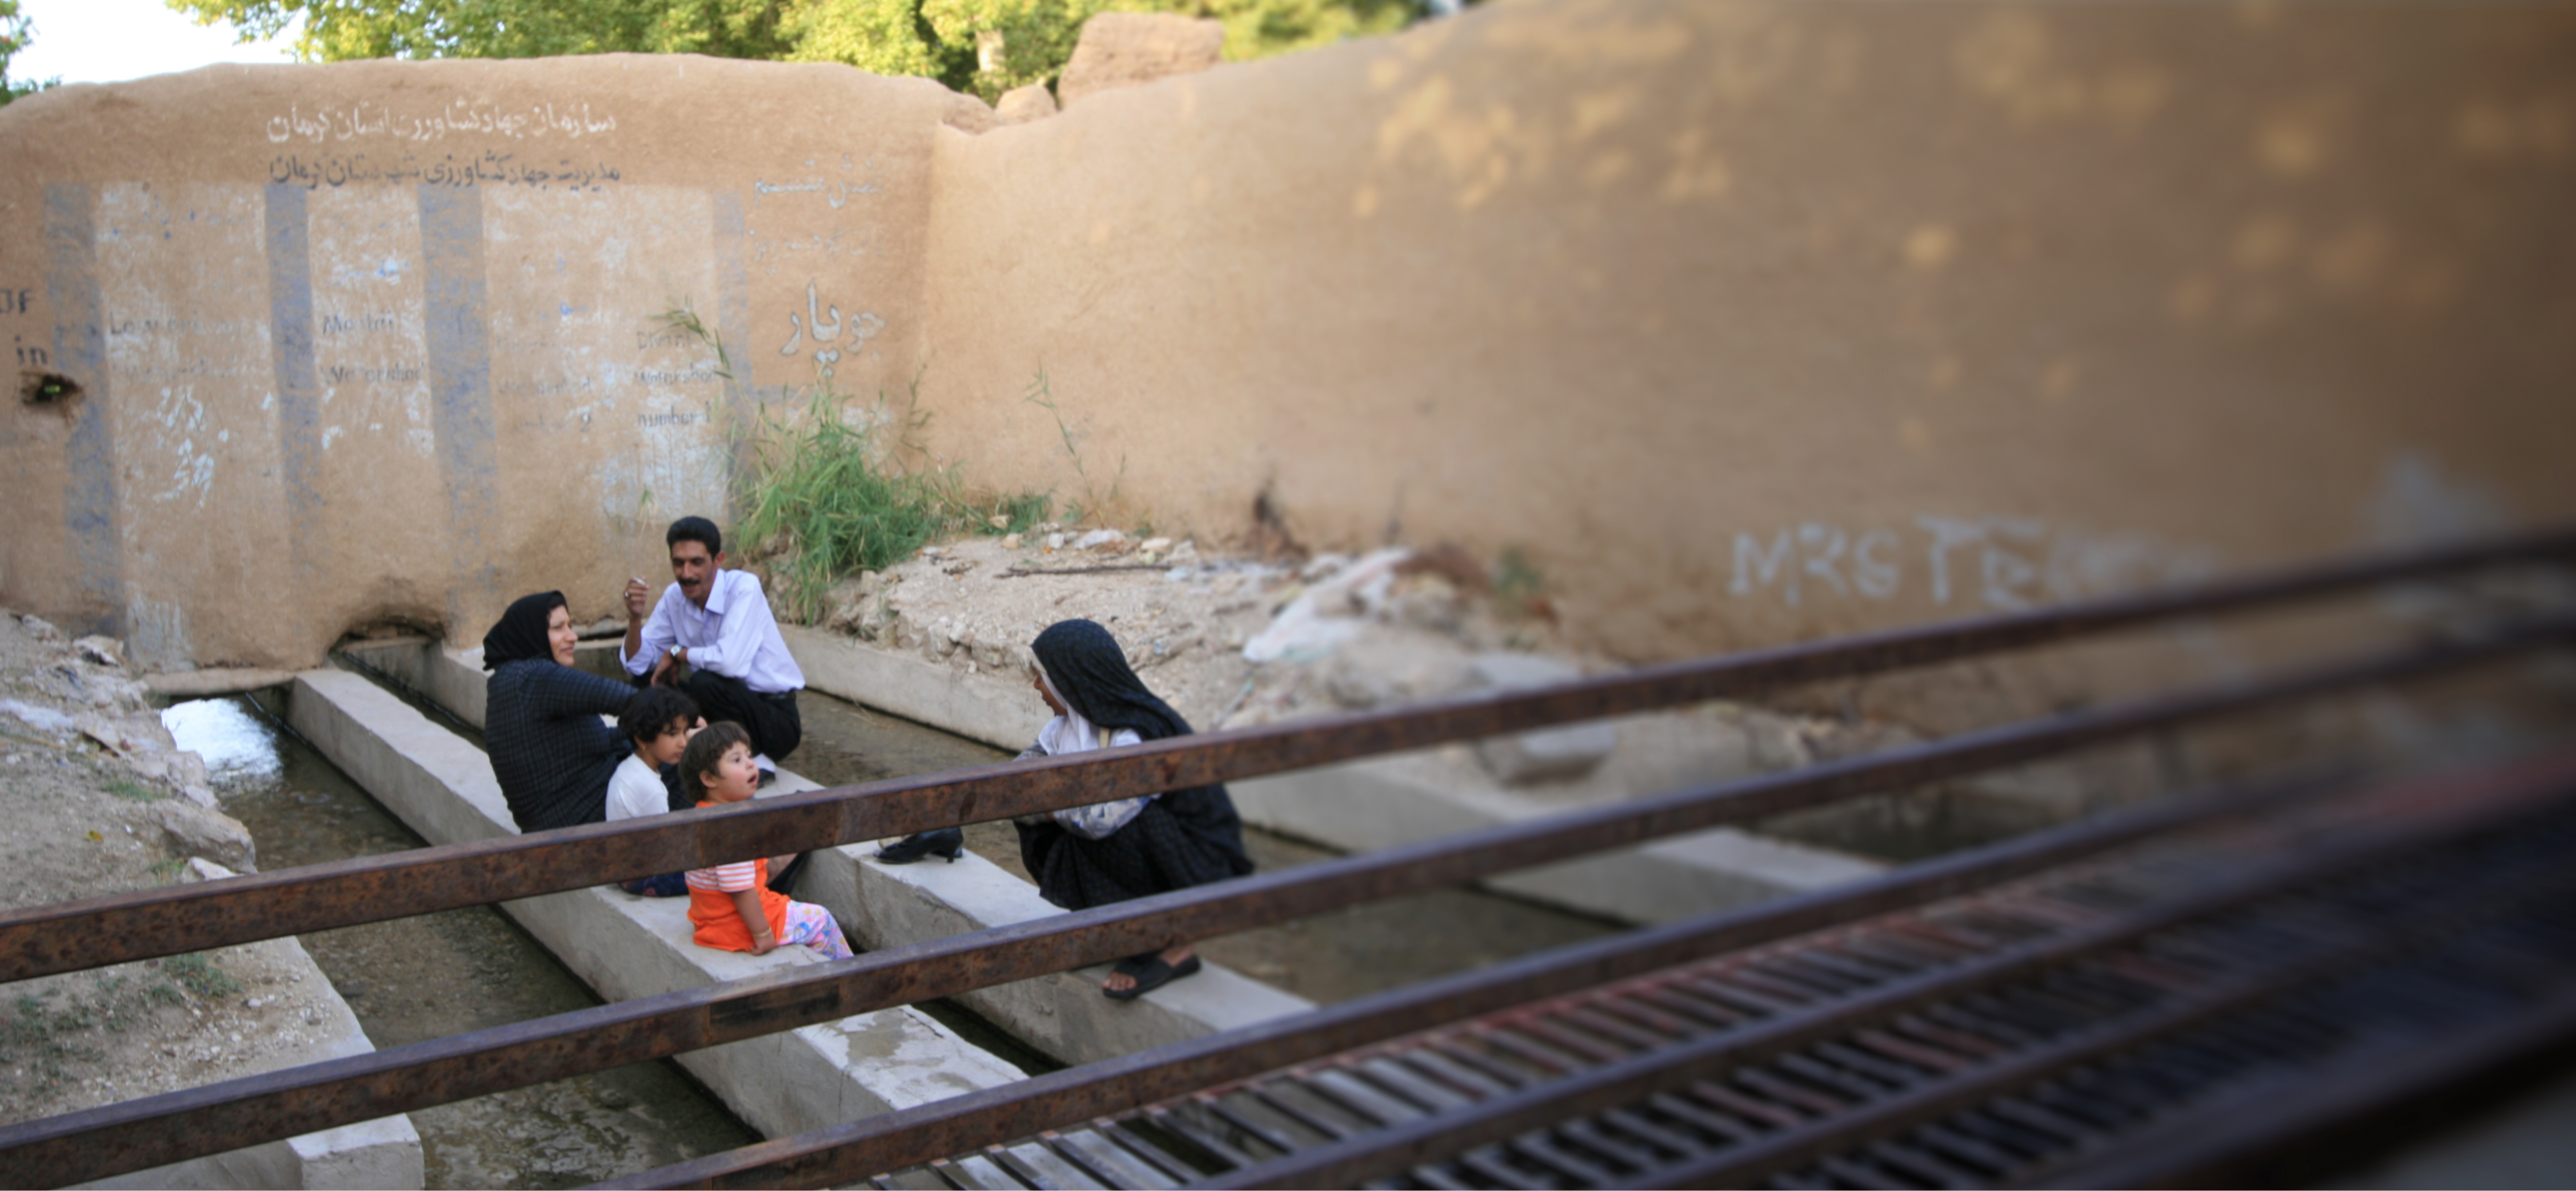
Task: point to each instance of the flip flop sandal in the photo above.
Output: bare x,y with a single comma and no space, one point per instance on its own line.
1150,973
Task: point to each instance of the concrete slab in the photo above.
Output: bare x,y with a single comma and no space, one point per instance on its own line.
1367,805
978,708
1063,1015
451,678
382,1153
626,947
1375,804
201,684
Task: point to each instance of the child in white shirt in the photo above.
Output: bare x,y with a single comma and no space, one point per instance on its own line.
658,722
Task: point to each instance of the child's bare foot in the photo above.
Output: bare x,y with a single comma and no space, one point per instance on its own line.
1137,975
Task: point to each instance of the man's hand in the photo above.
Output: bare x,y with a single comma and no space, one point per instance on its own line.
639,601
666,671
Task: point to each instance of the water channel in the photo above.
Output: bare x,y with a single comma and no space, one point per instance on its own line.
453,972
416,979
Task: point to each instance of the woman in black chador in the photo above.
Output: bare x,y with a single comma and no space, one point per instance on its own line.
549,750
1109,852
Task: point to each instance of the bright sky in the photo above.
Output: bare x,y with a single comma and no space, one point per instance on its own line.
106,41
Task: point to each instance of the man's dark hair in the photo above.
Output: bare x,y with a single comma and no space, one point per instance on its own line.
705,750
653,711
695,529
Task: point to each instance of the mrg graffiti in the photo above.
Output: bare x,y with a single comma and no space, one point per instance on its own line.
1997,563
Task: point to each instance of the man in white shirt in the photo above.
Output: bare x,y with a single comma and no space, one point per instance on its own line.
718,624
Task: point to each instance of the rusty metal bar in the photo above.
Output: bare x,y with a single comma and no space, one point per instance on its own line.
1433,1139
96,932
153,1130
1134,1081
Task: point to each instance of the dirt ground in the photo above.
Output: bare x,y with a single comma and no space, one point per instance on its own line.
1237,641
80,819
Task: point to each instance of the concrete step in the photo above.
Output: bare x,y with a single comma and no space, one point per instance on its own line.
1365,805
1062,1015
626,947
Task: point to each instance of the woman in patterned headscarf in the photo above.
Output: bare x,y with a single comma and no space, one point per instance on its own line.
1113,851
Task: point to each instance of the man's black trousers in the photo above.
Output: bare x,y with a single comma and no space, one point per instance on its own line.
776,728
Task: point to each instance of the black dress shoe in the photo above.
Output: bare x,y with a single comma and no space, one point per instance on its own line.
947,842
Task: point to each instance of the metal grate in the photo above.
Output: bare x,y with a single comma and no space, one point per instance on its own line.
2005,1036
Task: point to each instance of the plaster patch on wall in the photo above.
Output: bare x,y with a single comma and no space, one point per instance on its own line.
370,333
91,504
2419,504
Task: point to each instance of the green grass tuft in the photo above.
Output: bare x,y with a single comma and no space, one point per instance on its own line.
199,975
134,791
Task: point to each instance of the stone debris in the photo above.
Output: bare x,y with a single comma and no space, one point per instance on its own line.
43,717
1019,105
90,774
202,833
1550,754
1131,49
100,650
1318,620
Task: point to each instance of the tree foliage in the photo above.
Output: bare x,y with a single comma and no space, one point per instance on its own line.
15,32
984,46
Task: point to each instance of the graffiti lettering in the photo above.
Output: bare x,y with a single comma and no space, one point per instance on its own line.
459,116
351,324
489,169
389,374
2001,563
826,337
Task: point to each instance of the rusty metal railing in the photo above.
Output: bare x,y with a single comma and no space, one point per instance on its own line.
169,1127
151,1131
856,1150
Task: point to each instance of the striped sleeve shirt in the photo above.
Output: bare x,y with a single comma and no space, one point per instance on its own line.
726,878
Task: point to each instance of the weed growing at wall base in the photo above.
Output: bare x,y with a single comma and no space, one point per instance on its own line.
824,503
1093,503
827,496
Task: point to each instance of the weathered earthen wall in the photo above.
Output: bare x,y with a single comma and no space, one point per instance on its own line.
1744,321
388,341
1752,321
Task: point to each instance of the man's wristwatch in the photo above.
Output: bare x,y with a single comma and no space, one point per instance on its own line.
679,654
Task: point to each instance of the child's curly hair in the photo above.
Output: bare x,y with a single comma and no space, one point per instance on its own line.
705,750
654,711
